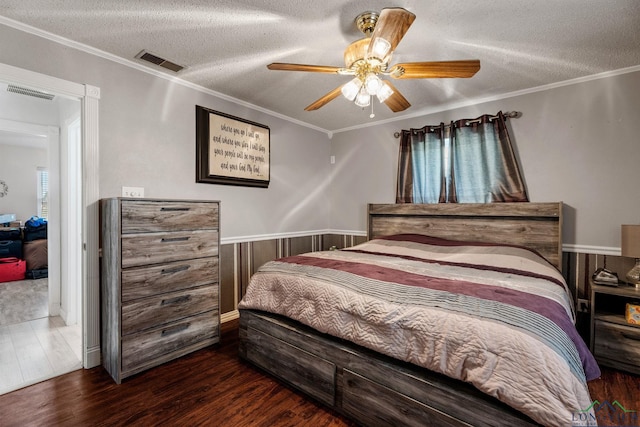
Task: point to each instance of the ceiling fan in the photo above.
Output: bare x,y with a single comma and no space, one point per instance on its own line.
368,59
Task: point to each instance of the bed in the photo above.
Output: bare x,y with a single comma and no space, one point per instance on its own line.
448,315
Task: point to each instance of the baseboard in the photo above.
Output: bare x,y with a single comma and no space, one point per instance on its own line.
231,315
92,358
63,315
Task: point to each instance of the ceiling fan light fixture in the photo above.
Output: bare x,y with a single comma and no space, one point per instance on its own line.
351,89
368,60
363,99
372,83
384,92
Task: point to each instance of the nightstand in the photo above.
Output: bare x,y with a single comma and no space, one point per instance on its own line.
614,342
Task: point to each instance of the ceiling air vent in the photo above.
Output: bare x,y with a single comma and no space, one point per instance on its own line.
154,59
29,92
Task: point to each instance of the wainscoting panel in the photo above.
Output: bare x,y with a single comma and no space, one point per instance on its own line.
301,245
340,241
240,260
228,278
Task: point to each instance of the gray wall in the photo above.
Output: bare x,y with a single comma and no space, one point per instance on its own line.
19,169
579,144
147,139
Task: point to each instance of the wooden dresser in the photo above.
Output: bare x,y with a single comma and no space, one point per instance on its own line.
160,281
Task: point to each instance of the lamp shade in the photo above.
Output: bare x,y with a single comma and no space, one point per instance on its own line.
351,89
384,92
380,48
372,83
630,241
363,98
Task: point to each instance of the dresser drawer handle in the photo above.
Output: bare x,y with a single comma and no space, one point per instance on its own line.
174,239
176,300
175,209
631,337
177,269
175,329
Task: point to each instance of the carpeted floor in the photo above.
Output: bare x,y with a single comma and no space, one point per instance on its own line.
23,300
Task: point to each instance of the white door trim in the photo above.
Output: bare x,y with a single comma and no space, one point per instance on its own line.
53,232
90,230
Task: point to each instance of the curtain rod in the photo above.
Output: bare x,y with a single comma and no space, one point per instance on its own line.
508,115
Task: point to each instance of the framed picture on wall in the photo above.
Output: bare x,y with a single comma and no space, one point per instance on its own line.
231,150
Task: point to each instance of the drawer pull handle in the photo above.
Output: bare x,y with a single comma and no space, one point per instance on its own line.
175,269
631,337
175,329
175,209
176,300
174,239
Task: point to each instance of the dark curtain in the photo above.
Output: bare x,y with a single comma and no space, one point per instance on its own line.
404,184
468,161
421,166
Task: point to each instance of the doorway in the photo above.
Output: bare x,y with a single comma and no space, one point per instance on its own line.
80,246
39,328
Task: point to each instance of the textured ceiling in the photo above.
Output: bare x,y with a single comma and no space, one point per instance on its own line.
226,45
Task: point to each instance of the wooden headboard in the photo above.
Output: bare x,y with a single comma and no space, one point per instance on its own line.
536,226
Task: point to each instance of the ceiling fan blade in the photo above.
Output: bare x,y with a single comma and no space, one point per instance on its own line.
392,25
325,99
304,67
396,102
436,69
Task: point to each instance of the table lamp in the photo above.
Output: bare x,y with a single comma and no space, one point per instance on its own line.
631,248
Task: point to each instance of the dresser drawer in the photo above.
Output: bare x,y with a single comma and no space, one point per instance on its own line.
150,216
617,342
142,349
162,309
159,248
142,282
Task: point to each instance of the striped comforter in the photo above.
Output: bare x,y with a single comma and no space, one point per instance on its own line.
498,317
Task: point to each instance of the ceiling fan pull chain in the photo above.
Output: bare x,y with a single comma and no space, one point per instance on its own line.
371,116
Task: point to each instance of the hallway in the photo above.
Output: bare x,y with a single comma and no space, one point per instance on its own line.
33,346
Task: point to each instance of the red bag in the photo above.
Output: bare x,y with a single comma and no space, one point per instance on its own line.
12,269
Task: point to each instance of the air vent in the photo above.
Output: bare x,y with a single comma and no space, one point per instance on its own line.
30,92
155,59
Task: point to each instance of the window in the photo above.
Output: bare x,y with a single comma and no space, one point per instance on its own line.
43,193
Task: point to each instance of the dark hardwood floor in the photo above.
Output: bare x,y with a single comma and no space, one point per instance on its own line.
616,385
211,387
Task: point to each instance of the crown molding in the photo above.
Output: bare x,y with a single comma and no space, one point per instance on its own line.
140,67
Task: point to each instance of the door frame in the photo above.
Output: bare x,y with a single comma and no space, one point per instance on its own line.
87,235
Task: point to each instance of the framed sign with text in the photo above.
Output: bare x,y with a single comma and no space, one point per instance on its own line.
230,150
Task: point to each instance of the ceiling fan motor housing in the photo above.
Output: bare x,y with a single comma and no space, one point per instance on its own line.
366,22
